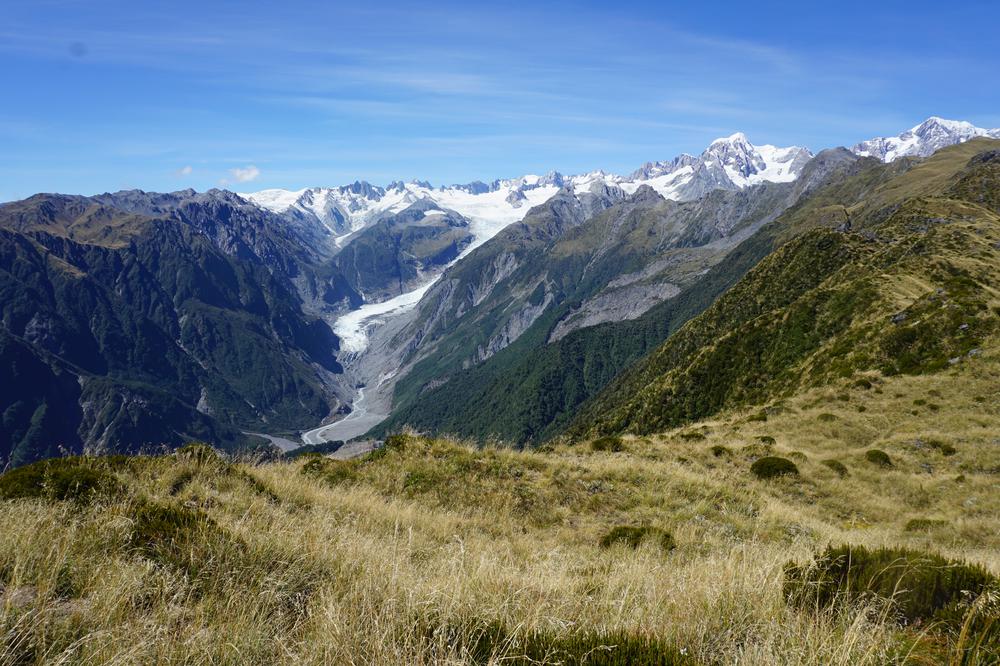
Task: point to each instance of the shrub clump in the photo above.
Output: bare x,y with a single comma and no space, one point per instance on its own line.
693,436
923,587
391,443
329,470
923,524
837,466
771,467
719,451
632,536
878,457
767,440
610,443
60,479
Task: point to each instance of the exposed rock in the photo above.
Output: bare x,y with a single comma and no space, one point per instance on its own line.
619,305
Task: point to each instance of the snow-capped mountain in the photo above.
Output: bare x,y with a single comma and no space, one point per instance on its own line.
923,140
729,163
349,208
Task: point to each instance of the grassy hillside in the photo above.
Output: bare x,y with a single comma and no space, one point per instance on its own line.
909,288
663,549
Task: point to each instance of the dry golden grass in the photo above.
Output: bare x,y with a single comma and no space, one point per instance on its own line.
436,535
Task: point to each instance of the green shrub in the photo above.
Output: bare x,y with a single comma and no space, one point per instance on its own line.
632,536
770,467
719,450
923,587
759,417
76,479
923,524
391,443
877,457
610,443
767,439
827,418
798,456
837,466
692,436
329,470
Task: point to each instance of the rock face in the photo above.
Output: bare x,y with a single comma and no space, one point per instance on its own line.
618,303
923,140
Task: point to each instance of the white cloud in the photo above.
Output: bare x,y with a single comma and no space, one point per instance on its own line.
245,174
184,171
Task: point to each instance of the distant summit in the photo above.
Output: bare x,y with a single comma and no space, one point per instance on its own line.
923,140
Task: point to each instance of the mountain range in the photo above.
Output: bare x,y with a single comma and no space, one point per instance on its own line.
518,309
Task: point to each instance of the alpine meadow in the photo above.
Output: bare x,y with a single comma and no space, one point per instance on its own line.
689,399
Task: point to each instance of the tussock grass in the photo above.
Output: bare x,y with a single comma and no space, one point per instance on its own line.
433,552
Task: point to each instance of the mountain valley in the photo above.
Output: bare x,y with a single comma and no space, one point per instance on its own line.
407,303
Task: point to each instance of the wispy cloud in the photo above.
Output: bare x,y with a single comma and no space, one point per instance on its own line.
184,171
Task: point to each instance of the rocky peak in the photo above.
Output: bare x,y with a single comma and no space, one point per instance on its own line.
363,188
646,195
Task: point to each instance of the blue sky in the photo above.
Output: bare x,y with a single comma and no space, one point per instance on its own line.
102,96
